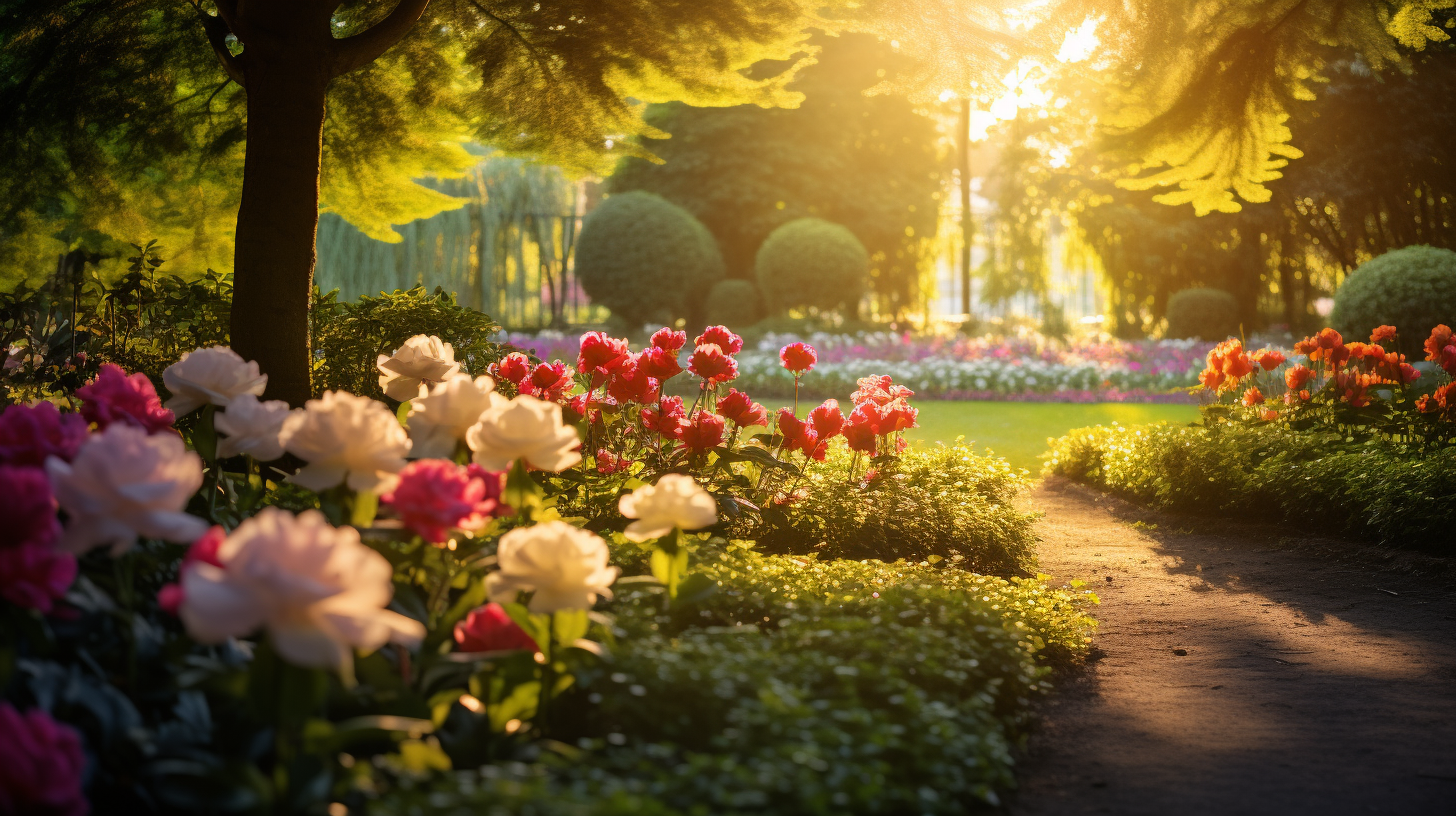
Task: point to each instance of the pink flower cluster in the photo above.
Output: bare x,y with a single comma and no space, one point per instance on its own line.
33,573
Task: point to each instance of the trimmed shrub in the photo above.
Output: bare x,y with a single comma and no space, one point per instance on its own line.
733,303
1204,314
1411,289
646,258
811,263
1313,480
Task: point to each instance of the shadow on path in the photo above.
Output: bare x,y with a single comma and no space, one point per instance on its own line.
1238,672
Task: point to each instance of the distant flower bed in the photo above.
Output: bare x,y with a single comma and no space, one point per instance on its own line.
1031,368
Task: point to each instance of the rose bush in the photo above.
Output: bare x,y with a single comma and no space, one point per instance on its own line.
441,586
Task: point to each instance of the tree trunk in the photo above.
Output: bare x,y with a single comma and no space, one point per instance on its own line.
278,218
968,225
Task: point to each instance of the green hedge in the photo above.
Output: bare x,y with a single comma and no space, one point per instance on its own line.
1314,481
1413,289
736,304
646,259
811,263
797,688
1206,314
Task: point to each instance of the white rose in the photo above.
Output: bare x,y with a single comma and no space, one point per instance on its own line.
253,427
422,361
317,590
214,375
441,418
126,483
524,428
564,565
344,437
675,501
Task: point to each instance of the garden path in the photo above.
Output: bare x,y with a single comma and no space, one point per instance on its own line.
1238,671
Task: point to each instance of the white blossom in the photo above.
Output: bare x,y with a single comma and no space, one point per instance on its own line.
422,361
524,428
346,438
675,501
215,375
565,566
252,426
441,418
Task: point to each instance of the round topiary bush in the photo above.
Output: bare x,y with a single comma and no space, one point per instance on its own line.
811,263
734,303
1205,314
646,259
1412,289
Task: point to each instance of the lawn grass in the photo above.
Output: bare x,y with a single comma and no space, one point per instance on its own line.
1018,431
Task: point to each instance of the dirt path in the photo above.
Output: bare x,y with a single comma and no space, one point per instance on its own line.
1237,672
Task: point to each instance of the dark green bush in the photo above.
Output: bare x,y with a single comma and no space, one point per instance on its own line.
1205,314
943,502
811,263
733,303
800,688
1412,289
646,258
348,337
1314,480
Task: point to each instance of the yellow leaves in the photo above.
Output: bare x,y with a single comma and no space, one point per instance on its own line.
1412,25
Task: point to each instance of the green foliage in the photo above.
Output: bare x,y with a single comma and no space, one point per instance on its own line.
1204,314
797,688
1313,480
349,336
1412,289
811,263
942,502
646,259
866,161
733,303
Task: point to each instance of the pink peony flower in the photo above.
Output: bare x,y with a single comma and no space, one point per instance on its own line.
114,397
550,381
601,354
34,576
714,366
827,419
669,340
798,358
721,337
741,410
489,629
660,363
704,431
514,368
30,434
28,511
668,418
859,435
435,496
632,383
41,765
203,551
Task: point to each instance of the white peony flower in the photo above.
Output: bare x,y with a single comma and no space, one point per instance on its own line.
421,362
524,428
342,436
126,483
317,590
441,418
675,501
253,427
564,565
215,375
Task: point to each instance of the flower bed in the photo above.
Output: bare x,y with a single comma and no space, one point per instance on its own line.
538,589
958,368
1349,443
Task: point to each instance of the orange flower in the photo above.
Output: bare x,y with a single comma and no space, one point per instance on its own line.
1382,334
1297,376
1211,378
1440,338
1352,388
1305,346
1269,415
1268,359
1253,397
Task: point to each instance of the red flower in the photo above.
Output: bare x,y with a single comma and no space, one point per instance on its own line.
873,389
1382,334
1352,388
704,431
860,436
899,392
1436,344
550,381
1211,378
1268,359
900,416
741,410
669,421
660,363
203,550
608,463
1253,397
710,363
115,397
41,765
434,496
489,629
799,436
1268,415
827,420
721,337
631,383
514,368
1297,377
30,434
669,340
871,415
28,509
601,354
798,358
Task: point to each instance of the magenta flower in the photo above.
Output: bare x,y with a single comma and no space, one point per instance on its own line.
489,629
29,434
798,358
115,397
28,512
41,765
435,496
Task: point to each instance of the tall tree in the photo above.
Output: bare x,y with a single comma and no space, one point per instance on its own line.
99,96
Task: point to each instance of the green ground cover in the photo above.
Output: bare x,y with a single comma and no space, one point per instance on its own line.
1018,431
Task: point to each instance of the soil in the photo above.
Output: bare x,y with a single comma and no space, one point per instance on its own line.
1239,670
